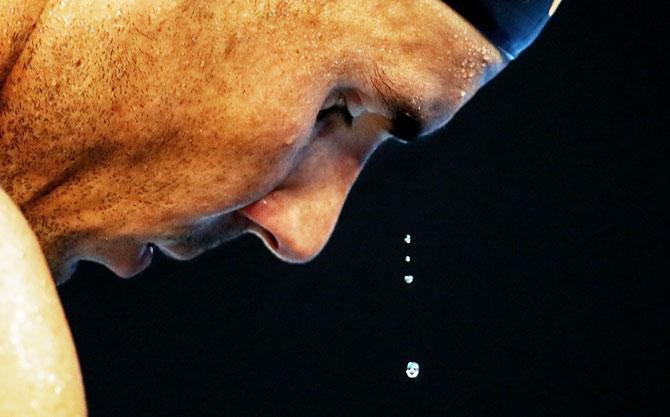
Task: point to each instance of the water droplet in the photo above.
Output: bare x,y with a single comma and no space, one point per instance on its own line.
462,93
408,238
409,278
412,370
407,259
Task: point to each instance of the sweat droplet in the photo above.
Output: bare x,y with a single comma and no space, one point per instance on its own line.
409,278
412,370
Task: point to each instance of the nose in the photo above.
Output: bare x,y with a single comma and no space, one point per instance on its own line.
296,224
296,219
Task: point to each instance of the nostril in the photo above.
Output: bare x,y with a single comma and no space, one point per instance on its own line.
294,223
266,236
286,252
271,240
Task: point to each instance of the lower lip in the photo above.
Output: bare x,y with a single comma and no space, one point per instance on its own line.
132,268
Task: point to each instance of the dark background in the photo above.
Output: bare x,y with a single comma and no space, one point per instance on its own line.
537,251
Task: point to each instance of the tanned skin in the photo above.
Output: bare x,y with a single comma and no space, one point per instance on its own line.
132,125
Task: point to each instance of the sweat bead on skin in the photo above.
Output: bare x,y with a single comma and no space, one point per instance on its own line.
511,25
133,125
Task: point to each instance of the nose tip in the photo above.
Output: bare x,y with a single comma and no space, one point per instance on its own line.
284,249
296,219
294,234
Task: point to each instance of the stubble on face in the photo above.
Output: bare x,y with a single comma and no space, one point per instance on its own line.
141,119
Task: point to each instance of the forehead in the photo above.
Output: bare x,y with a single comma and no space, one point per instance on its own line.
409,52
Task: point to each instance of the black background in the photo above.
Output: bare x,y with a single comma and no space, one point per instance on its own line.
537,248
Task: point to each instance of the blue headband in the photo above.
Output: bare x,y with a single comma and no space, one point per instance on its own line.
511,25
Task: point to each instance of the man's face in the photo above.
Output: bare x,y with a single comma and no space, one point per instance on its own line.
185,125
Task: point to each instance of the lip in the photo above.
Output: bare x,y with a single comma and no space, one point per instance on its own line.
203,236
141,262
180,253
183,245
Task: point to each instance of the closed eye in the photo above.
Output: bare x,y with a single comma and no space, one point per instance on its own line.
406,125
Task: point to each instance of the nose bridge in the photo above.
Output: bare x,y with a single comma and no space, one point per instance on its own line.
297,218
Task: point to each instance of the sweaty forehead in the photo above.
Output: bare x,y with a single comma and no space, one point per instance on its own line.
120,53
511,25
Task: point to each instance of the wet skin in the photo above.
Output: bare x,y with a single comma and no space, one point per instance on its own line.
129,125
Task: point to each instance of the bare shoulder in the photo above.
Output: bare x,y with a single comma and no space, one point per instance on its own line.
39,369
18,242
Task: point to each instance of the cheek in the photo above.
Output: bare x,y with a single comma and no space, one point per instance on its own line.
259,154
214,174
223,153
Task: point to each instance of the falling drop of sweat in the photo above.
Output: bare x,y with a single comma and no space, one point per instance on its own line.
412,370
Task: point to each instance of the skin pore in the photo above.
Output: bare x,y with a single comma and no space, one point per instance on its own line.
182,124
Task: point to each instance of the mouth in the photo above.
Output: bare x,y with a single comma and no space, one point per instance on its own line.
182,244
181,252
132,267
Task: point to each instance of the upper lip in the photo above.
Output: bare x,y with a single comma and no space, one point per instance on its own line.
180,253
194,241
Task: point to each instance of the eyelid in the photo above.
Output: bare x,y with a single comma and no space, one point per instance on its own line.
406,124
